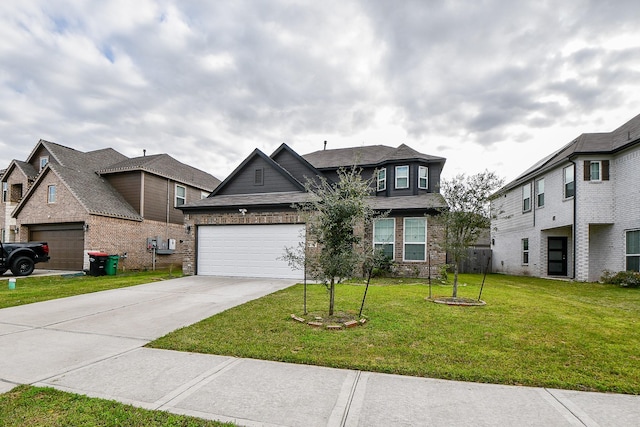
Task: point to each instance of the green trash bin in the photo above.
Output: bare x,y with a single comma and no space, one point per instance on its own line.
111,266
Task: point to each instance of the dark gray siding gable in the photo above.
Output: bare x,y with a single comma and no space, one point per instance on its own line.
294,166
244,181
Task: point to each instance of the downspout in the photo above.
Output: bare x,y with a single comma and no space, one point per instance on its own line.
575,216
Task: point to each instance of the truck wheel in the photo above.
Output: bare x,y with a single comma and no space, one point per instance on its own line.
22,266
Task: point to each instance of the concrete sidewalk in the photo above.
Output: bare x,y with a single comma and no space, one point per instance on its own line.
92,344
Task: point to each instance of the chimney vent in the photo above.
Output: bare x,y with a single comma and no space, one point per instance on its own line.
325,145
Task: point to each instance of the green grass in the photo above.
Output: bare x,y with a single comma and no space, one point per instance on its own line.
26,406
532,332
42,288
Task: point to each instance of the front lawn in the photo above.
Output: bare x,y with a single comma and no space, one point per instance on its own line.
533,332
45,407
42,288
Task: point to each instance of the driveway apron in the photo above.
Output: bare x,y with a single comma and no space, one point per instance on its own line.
41,340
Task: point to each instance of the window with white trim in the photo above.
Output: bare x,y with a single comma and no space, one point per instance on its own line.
633,250
415,239
43,161
51,194
525,251
402,176
5,191
423,177
569,182
382,179
526,197
384,231
595,171
540,193
204,194
181,195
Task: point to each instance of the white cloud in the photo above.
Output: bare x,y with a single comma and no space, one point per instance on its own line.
491,85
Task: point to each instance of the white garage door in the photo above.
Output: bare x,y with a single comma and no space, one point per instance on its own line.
247,250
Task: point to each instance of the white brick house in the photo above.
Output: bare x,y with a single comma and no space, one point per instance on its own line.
574,214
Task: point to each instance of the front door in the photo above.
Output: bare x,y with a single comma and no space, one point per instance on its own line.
557,256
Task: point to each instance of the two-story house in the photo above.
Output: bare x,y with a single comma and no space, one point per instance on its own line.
242,228
100,201
574,214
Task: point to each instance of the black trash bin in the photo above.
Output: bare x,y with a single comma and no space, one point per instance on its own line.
97,262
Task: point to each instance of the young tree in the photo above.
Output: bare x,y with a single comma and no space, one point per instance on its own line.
468,213
336,215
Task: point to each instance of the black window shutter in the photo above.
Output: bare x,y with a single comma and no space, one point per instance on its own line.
605,170
587,170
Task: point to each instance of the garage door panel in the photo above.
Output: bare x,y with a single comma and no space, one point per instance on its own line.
247,250
66,247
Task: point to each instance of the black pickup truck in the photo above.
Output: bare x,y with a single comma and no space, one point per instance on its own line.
21,258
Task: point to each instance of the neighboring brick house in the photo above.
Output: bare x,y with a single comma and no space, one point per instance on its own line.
242,228
576,213
100,201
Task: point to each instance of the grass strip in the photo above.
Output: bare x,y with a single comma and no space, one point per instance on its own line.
42,288
27,406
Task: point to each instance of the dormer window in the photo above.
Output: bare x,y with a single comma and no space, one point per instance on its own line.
382,179
423,177
43,161
402,176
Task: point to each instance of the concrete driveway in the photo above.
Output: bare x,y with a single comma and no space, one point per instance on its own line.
41,340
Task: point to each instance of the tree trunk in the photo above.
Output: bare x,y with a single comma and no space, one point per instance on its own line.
455,280
332,292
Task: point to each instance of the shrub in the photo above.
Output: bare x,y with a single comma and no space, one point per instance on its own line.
626,279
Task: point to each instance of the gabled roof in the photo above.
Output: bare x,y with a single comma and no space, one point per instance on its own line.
96,195
60,153
26,168
79,172
325,159
372,156
257,153
587,143
166,166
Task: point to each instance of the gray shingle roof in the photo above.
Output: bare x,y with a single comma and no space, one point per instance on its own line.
371,155
419,202
93,192
587,143
244,200
79,172
166,166
29,171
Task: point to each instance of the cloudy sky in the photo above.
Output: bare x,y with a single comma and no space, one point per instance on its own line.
487,84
